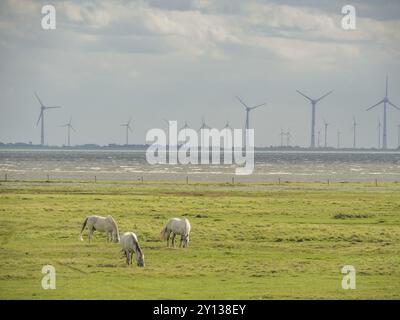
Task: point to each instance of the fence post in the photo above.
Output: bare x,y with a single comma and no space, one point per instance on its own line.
376,182
233,180
142,179
328,182
187,179
279,181
95,179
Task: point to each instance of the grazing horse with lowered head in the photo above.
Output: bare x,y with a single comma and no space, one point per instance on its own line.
130,245
102,224
177,226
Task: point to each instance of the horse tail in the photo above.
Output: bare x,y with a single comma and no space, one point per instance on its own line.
83,228
164,233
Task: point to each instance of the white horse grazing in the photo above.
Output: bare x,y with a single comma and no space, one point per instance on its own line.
102,224
130,245
177,226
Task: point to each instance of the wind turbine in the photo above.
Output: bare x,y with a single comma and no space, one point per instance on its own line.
127,128
313,104
202,127
69,126
248,110
355,124
227,127
338,139
43,108
185,126
385,101
326,124
203,124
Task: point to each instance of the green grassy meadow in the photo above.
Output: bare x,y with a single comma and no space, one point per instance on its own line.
248,241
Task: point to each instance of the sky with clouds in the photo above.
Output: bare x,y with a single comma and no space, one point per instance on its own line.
185,59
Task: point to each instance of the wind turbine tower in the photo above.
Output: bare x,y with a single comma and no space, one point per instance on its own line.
355,124
227,127
43,108
326,124
379,133
282,134
319,136
202,127
385,102
338,139
288,137
398,136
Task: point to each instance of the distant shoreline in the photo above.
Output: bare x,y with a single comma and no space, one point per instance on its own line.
140,147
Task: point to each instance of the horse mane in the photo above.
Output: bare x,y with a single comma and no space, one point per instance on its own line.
138,249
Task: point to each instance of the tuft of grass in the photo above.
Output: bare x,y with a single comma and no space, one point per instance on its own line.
352,216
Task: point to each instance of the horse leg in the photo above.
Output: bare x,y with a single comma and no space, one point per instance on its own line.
168,239
130,257
173,240
180,243
91,234
127,256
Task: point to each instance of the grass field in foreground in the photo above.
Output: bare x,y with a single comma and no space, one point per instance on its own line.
250,241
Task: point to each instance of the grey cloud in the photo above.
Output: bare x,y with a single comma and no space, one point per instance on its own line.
187,59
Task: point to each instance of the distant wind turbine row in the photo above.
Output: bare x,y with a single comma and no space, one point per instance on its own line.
248,109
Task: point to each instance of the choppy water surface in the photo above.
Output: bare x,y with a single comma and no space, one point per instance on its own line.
132,165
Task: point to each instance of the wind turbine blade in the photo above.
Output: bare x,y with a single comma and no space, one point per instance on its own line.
255,107
304,95
40,116
377,104
56,107
326,94
241,101
40,101
394,106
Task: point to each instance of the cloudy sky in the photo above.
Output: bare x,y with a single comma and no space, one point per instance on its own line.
184,59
